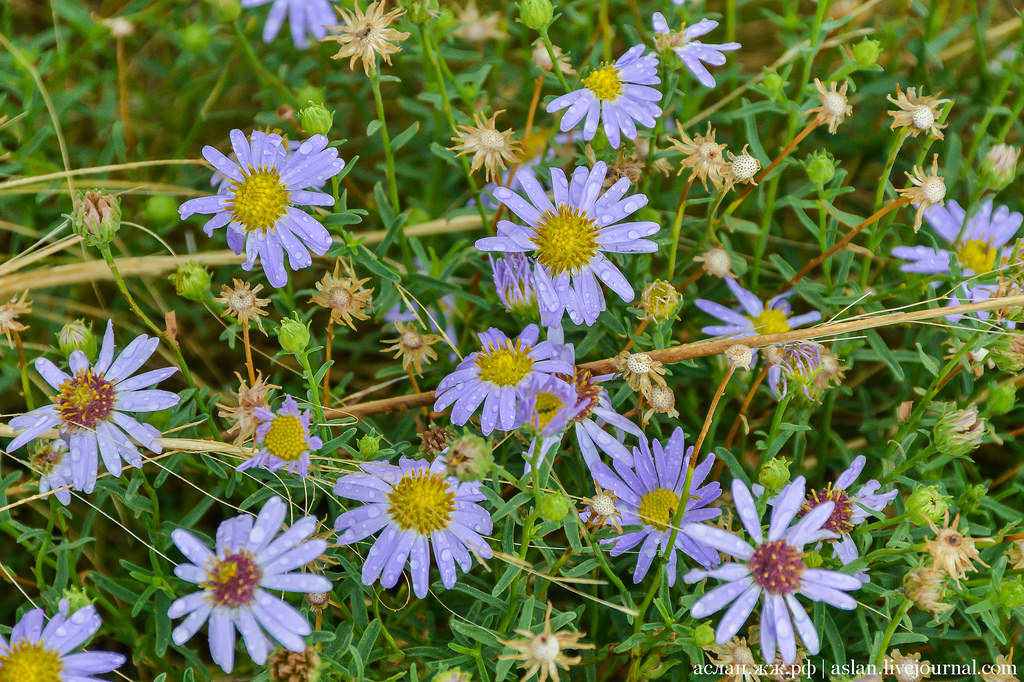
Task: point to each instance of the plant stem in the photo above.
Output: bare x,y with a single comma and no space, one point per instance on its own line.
889,631
26,387
248,354
554,60
677,224
389,157
276,83
314,393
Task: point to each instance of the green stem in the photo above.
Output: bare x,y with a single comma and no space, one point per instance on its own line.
554,60
889,631
677,224
389,157
314,392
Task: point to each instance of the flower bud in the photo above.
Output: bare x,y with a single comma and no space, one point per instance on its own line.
316,119
813,559
192,281
420,11
77,335
469,457
971,498
227,10
999,166
867,52
96,217
553,506
293,334
77,598
957,432
196,38
659,301
774,84
1002,399
926,587
926,504
704,635
821,168
161,208
535,14
774,474
1007,353
452,675
369,445
1011,593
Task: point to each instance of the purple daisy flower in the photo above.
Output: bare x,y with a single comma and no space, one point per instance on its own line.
52,463
418,507
284,439
545,406
569,238
306,17
492,376
693,52
258,205
617,94
649,492
249,561
772,317
40,650
792,361
772,570
513,280
849,509
91,405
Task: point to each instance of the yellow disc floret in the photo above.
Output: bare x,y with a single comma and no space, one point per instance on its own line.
506,364
604,83
657,508
545,409
30,662
566,239
259,200
286,438
422,501
977,255
770,322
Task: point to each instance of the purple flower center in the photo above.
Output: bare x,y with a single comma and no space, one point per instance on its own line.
566,239
840,522
587,391
777,567
85,400
233,580
30,662
259,200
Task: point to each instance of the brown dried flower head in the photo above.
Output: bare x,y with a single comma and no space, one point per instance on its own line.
413,347
952,552
293,666
737,657
240,301
917,114
477,28
366,35
601,509
318,601
640,371
244,413
343,295
717,262
490,147
542,59
834,108
9,312
704,155
543,653
662,401
926,587
925,190
435,439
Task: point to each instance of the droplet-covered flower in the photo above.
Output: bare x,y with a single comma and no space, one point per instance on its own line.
514,283
306,18
366,35
284,439
693,53
772,317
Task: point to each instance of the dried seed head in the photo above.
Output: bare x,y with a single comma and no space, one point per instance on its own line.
240,301
740,356
243,415
542,59
717,262
952,552
703,154
906,668
366,35
435,439
413,347
9,312
925,190
743,168
343,295
916,114
490,147
834,107
926,587
291,666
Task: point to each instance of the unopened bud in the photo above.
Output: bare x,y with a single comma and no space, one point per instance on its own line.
821,168
774,474
192,281
971,498
293,334
452,675
469,457
704,635
774,84
1007,353
813,559
957,432
659,301
1011,593
227,10
553,506
1002,399
369,445
77,335
535,14
96,217
316,119
999,166
76,598
926,504
867,52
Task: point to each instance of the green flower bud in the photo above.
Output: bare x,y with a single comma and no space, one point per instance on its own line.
812,559
420,11
453,675
77,335
704,635
774,474
957,432
971,498
927,504
1007,353
293,334
77,598
192,281
535,14
553,506
999,167
161,208
659,301
821,168
1002,399
316,119
369,445
227,10
195,38
1011,593
96,217
469,457
774,84
867,52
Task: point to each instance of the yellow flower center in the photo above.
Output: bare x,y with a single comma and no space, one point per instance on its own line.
85,400
504,365
232,581
286,438
657,508
604,83
977,255
30,663
422,501
259,200
566,239
770,322
546,407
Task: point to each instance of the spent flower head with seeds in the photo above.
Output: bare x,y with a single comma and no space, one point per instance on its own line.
242,416
542,59
413,346
415,507
305,18
364,36
742,168
9,313
702,154
42,651
917,113
474,27
567,239
491,148
693,53
543,653
602,509
249,562
834,107
283,439
91,407
925,190
241,302
661,401
258,205
952,552
618,95
294,666
640,371
926,587
343,294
